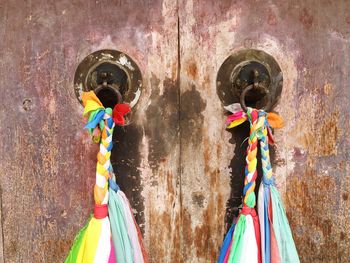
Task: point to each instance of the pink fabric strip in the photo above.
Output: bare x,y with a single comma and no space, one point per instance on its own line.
112,255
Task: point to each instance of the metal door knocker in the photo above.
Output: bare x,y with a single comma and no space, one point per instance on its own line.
250,77
112,75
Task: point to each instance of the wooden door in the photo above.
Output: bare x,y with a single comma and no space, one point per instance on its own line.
48,159
310,41
181,169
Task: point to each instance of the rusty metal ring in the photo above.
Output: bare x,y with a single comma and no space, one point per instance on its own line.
87,77
244,93
111,88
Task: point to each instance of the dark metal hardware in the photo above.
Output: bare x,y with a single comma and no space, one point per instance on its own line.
112,75
259,89
251,76
108,94
248,89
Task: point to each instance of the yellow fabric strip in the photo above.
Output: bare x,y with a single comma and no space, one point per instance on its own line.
99,194
91,106
81,250
252,165
93,231
236,123
250,190
102,171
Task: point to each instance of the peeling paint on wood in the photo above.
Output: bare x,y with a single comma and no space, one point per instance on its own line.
180,167
48,160
309,40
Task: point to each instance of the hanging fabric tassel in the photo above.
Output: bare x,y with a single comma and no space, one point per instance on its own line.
124,228
125,232
277,243
93,244
121,241
112,234
244,244
226,245
78,241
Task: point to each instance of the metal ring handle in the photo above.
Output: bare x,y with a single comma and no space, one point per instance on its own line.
114,90
244,93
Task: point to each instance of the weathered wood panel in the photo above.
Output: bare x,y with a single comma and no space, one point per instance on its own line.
47,159
311,42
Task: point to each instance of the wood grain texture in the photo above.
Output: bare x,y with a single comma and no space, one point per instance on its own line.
310,41
47,158
181,169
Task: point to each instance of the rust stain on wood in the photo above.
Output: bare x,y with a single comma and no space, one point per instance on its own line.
192,70
181,169
306,212
320,138
310,162
49,156
306,18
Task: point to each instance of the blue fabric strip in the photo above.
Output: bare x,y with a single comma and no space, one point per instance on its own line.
98,117
267,224
113,185
226,244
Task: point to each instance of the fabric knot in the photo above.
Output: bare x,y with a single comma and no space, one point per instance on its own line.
248,211
100,211
268,181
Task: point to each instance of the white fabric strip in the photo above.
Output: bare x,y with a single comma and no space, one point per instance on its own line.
100,180
104,243
103,149
109,139
107,164
249,248
250,176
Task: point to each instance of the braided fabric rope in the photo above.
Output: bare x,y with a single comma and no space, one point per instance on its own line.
244,242
112,233
265,153
104,167
251,173
101,126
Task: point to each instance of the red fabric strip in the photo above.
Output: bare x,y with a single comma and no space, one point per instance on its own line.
100,211
257,235
248,211
251,211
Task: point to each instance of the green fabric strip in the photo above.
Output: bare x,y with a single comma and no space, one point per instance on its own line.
251,200
121,241
287,250
73,254
236,248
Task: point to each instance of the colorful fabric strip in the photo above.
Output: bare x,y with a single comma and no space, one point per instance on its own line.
273,238
226,244
121,241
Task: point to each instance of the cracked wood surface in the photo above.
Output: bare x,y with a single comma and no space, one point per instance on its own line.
180,168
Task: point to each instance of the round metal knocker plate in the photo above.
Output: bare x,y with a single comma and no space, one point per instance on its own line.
247,68
112,69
